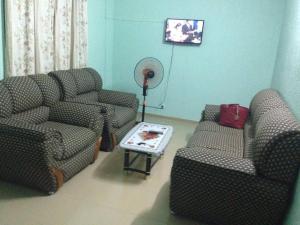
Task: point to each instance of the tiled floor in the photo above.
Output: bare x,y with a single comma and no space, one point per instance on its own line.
102,194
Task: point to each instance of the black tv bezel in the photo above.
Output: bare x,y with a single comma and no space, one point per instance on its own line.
179,42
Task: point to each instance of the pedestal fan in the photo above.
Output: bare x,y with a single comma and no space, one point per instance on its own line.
148,74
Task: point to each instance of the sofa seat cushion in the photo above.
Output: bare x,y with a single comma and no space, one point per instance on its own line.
75,138
215,127
122,115
36,116
233,145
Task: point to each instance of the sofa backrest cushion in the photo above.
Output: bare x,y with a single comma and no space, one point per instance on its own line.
5,102
77,81
276,150
264,107
49,87
84,80
36,116
97,78
66,83
260,97
25,93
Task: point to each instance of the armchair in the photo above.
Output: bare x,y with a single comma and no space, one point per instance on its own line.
44,142
119,109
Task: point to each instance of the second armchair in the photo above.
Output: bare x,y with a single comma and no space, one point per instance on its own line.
119,109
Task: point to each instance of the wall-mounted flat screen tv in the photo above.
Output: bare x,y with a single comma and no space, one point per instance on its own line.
186,31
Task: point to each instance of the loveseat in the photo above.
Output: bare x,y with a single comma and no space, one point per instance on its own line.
44,142
119,109
228,176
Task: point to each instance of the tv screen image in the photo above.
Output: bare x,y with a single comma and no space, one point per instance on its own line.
184,31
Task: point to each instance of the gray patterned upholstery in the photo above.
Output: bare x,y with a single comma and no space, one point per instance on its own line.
37,115
119,109
97,78
66,82
121,132
74,138
226,176
122,115
25,93
85,116
261,97
216,127
90,97
75,164
44,142
5,102
85,82
270,104
49,87
276,151
118,98
26,154
231,144
211,113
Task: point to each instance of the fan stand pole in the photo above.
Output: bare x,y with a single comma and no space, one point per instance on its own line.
144,107
145,87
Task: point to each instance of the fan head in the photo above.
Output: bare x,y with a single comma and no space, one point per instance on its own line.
151,69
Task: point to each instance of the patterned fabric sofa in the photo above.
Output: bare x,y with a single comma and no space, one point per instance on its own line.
119,109
44,142
228,176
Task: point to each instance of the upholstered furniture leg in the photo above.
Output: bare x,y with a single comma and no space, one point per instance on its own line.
97,149
114,140
59,176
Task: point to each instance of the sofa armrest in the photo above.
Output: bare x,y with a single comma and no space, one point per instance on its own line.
27,153
24,130
206,184
211,113
77,114
212,158
118,98
103,107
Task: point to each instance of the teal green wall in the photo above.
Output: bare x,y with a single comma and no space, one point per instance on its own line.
100,38
287,77
96,36
235,60
287,68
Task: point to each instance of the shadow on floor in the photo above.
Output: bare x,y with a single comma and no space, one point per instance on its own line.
160,209
111,168
15,191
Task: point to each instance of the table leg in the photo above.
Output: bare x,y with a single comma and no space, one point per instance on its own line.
126,159
148,164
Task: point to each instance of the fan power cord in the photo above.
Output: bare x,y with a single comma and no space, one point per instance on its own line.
162,104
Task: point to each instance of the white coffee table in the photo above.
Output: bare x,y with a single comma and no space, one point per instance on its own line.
145,139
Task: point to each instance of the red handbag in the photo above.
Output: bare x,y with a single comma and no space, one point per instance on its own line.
233,115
